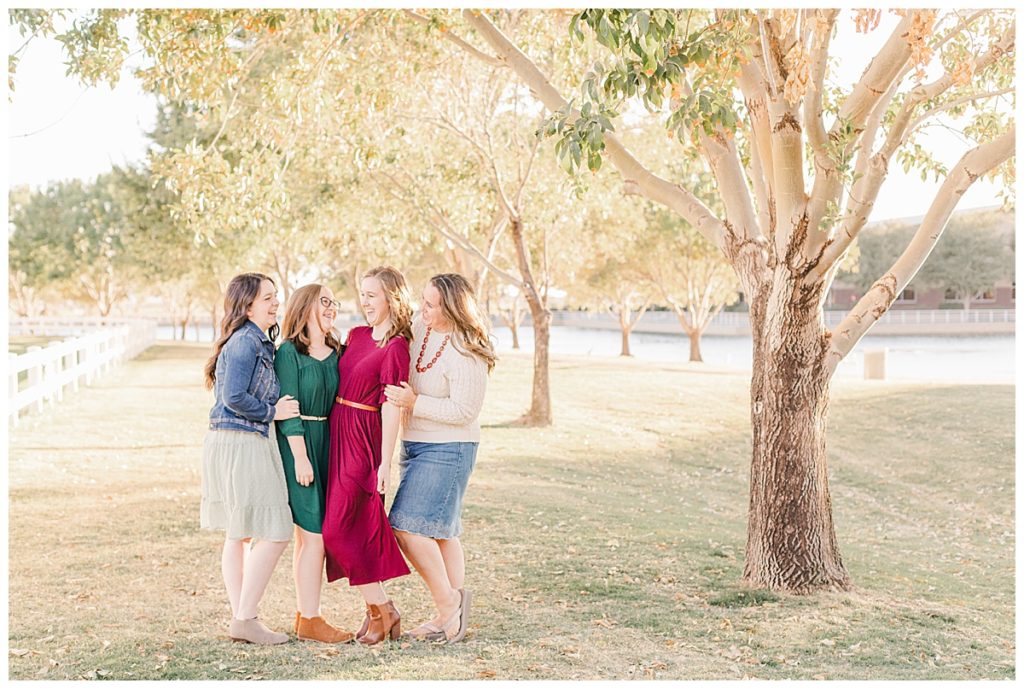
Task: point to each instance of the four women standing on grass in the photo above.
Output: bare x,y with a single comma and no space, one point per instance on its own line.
337,477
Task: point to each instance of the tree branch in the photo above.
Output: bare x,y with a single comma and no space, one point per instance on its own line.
480,55
877,301
865,190
650,185
439,222
822,36
883,69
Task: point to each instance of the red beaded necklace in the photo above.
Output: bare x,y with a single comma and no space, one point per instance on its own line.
423,350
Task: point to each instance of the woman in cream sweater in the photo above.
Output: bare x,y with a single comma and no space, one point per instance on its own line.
451,356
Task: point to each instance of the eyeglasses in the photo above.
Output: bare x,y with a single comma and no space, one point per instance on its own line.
330,302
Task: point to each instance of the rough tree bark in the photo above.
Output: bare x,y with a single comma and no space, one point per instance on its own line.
791,541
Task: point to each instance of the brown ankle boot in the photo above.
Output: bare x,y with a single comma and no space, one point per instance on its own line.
317,629
366,623
385,622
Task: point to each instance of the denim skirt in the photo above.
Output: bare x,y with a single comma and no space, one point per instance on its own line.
433,479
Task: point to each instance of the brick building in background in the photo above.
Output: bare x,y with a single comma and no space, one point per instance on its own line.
923,293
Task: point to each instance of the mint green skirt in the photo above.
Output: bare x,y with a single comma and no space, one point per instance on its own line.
243,488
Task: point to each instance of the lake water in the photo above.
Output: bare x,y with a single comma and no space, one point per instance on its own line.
946,358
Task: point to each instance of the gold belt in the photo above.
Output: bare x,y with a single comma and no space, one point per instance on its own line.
356,405
312,418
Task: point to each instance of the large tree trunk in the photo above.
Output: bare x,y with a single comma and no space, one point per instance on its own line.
791,541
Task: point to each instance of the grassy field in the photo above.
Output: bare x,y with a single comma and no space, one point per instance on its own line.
609,545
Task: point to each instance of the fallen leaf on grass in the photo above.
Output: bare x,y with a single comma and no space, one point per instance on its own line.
486,674
162,658
827,642
19,652
607,624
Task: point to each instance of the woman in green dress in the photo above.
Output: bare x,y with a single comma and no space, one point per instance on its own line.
307,367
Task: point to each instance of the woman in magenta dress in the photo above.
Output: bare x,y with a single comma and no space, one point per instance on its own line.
358,539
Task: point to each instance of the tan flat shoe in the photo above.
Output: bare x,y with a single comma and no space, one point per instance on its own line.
426,632
452,633
255,632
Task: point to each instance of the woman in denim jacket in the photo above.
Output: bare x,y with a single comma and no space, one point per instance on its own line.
244,491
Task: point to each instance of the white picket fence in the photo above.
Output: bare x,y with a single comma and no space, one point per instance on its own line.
90,348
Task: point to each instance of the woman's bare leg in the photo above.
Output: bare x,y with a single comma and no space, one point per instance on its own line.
232,562
454,561
309,570
259,565
425,556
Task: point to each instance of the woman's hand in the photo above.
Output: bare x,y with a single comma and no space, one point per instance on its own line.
286,408
401,396
383,478
303,471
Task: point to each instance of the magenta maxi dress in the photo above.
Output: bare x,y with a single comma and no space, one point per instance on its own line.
358,540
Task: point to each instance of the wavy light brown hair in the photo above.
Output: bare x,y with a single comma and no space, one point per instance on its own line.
399,301
304,301
241,293
459,306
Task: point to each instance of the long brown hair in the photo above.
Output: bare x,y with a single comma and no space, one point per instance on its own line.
242,292
399,301
458,304
296,319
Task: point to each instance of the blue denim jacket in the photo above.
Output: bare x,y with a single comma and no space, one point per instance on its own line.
246,387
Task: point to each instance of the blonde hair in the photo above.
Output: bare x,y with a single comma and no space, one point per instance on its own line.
296,318
458,304
396,291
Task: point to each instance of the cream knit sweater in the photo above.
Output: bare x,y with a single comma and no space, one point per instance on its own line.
450,393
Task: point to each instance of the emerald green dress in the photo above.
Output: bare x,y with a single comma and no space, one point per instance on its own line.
314,384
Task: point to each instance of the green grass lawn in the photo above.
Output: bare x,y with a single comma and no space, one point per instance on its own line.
608,546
